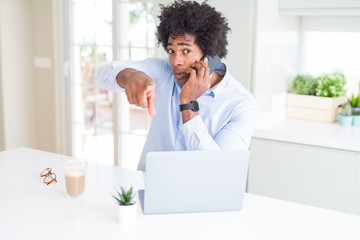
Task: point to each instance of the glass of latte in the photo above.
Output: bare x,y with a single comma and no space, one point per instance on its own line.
75,173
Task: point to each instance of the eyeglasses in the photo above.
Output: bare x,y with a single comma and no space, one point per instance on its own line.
49,177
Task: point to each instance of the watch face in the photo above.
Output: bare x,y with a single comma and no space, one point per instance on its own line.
195,107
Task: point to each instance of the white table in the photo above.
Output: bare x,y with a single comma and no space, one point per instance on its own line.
29,209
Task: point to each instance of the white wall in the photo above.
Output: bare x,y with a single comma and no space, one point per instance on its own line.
2,142
241,16
276,54
27,92
44,77
17,75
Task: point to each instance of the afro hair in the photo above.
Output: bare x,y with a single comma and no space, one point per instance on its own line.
201,20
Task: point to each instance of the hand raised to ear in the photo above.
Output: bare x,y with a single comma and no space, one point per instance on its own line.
198,83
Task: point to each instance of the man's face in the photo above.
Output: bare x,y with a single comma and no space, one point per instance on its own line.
183,51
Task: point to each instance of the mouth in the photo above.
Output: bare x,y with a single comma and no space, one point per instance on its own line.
179,75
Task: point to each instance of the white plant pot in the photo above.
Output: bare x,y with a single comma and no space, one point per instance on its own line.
127,214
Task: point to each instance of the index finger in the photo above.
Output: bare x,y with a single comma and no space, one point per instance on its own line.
151,96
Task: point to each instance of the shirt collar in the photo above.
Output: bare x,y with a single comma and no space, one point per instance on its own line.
220,85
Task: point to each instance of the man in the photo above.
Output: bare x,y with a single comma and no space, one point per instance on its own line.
215,111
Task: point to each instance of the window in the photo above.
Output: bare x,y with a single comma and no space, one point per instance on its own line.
104,127
135,41
91,46
333,44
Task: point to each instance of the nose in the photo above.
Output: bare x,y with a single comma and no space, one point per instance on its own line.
178,59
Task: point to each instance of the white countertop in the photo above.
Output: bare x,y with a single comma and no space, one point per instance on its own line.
329,135
29,209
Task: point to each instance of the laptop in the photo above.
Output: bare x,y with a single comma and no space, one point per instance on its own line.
194,181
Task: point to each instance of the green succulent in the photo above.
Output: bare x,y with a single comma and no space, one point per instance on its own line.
355,101
125,197
346,109
331,85
355,104
304,84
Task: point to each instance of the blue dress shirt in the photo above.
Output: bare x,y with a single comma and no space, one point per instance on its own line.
227,117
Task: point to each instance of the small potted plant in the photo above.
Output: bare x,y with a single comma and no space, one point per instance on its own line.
316,99
304,84
345,118
355,104
127,207
331,85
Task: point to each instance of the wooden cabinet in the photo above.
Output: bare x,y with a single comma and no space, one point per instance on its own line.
324,177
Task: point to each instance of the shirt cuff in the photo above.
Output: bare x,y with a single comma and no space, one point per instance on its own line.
191,126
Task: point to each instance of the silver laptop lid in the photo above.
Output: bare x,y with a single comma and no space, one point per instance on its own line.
195,181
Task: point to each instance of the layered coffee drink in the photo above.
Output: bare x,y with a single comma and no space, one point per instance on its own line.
75,172
75,182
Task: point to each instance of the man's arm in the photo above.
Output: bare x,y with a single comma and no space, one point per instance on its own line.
236,134
136,78
140,89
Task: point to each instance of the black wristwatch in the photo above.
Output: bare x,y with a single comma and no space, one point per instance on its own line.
193,105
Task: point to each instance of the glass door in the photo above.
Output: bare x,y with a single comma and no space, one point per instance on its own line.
104,127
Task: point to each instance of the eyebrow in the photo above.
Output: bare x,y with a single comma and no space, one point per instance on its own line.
180,44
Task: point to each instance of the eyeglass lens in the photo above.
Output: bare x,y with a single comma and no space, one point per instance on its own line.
49,177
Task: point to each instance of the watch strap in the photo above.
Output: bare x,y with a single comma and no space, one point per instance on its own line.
193,105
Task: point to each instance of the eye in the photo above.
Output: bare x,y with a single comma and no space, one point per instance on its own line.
187,51
170,51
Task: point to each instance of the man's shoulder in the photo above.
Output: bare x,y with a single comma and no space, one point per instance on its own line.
230,84
237,92
234,86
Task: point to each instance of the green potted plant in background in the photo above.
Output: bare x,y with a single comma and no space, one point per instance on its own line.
304,84
331,85
316,99
355,105
127,207
345,118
